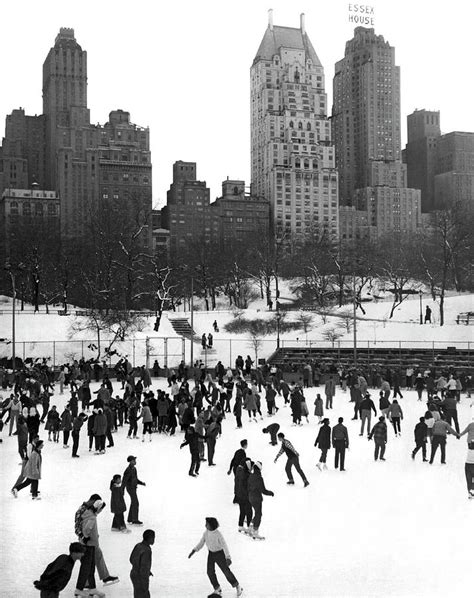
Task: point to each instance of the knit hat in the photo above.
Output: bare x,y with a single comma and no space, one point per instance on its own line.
258,464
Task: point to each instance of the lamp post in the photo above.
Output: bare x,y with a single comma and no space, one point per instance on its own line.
354,308
421,307
8,268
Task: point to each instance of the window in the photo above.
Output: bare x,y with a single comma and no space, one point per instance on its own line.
27,209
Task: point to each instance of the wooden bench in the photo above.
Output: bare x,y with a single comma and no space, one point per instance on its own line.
465,318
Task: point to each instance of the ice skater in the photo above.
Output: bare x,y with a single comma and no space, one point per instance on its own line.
340,442
379,434
272,429
421,435
57,574
323,441
130,481
241,494
218,555
117,505
31,470
256,488
140,559
293,459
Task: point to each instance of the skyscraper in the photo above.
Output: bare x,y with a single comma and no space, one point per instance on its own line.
292,158
366,111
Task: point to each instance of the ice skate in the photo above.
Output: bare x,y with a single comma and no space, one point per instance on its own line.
215,593
96,592
318,465
239,589
15,492
110,580
78,593
241,529
256,535
471,494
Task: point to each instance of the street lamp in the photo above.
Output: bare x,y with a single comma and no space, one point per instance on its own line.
8,268
421,307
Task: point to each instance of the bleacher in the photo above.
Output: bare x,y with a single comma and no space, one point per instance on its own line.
396,357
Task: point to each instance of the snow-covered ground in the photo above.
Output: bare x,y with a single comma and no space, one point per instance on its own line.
43,335
399,528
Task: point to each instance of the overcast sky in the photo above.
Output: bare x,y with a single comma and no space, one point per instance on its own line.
182,68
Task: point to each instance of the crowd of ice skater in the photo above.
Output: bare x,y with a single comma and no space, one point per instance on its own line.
196,404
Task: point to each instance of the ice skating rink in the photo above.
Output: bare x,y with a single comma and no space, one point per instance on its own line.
401,528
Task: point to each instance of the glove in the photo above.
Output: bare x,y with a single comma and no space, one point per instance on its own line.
85,540
228,473
190,554
37,585
271,493
228,561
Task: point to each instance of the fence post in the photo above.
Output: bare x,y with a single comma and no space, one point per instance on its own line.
183,349
165,352
54,354
82,349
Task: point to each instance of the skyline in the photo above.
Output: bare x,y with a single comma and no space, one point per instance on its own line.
140,72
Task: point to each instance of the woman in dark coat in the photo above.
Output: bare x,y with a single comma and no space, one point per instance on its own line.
241,492
117,505
323,441
295,404
172,421
257,489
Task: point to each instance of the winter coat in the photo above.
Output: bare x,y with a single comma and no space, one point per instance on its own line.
192,440
32,468
146,377
319,407
172,421
117,501
89,527
367,404
324,438
188,417
238,459
295,403
421,432
379,432
442,428
395,411
66,420
141,559
130,478
256,487
100,425
330,388
238,407
52,421
384,403
146,415
241,489
250,402
469,430
339,432
162,406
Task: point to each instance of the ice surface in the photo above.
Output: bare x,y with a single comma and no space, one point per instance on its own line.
399,528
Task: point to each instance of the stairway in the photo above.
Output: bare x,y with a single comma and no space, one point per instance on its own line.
182,327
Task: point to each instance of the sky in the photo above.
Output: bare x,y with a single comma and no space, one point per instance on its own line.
182,68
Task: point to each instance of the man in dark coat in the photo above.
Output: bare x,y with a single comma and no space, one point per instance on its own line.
366,406
340,442
293,459
130,481
191,439
379,434
272,429
241,493
140,560
239,457
57,574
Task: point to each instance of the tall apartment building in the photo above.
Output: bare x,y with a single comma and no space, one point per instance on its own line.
366,127
366,110
441,166
60,149
420,154
292,157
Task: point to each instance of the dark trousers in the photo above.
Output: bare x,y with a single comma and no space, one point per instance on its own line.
421,444
146,428
441,442
134,504
289,464
396,424
340,453
49,594
133,428
211,447
110,440
238,419
328,402
91,441
75,442
218,558
245,511
257,513
469,471
66,436
195,463
322,458
140,585
452,415
118,521
100,443
379,449
397,392
87,569
27,482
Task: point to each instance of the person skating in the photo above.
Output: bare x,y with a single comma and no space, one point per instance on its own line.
239,457
31,471
66,425
241,494
340,442
147,421
117,505
256,490
100,430
76,432
395,414
90,538
191,439
130,482
384,403
319,408
379,434
421,435
218,555
419,386
272,429
440,430
52,424
469,469
141,559
293,459
366,407
57,574
213,430
323,441
329,391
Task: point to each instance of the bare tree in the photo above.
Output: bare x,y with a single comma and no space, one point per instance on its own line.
332,334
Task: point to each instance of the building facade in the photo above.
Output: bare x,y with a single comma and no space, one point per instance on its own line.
292,156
